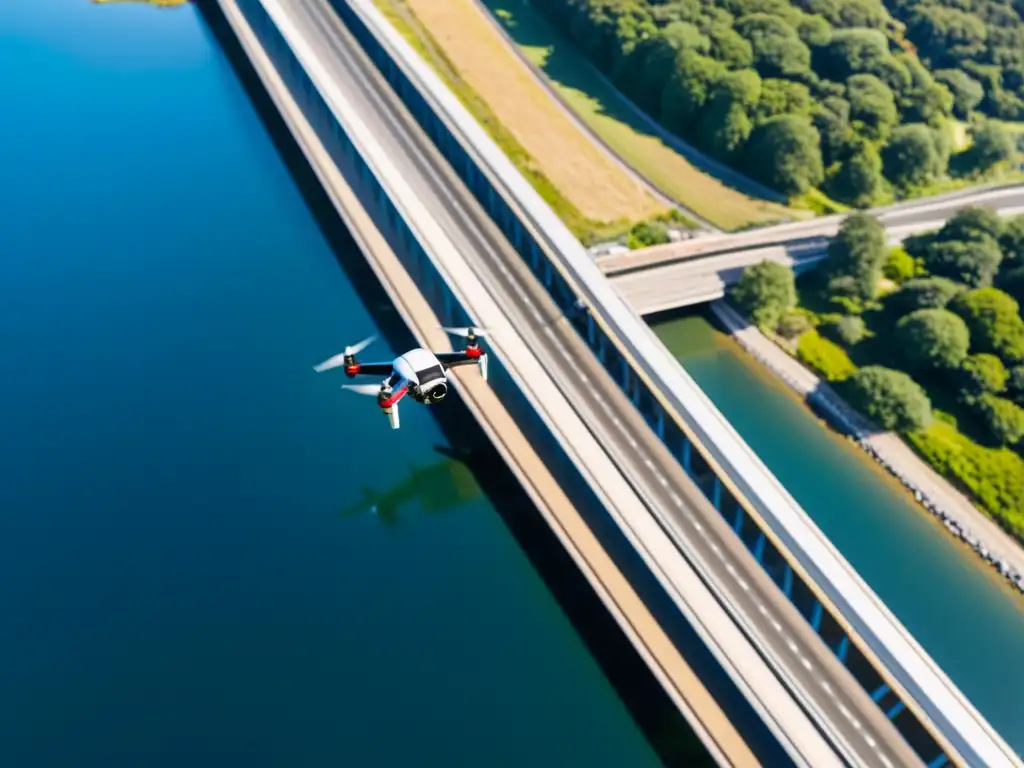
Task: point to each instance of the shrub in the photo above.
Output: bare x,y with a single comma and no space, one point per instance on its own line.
982,373
825,358
993,476
899,265
925,293
847,330
765,292
1003,419
890,398
933,338
792,324
994,322
646,234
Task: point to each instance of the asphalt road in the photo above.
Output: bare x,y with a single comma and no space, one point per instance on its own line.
842,710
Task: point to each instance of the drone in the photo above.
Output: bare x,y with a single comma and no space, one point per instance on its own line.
419,373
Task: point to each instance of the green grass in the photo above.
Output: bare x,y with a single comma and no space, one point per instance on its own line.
994,477
587,230
602,109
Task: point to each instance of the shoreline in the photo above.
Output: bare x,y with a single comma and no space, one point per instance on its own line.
890,453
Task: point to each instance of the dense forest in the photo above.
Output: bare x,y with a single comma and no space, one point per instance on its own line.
852,96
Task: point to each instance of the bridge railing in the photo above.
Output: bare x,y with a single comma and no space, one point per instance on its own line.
906,683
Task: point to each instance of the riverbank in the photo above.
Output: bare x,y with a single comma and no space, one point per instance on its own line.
961,518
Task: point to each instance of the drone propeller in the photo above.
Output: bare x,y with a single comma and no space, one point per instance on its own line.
334,362
467,333
363,389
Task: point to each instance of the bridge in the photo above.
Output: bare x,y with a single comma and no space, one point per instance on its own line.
682,532
677,275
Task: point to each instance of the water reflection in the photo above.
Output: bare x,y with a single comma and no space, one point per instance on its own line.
442,485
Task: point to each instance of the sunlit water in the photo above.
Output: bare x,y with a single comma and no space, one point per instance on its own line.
191,570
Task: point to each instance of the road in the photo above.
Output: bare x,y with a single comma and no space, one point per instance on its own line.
841,708
901,220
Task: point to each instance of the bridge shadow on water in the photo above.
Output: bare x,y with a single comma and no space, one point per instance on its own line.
657,717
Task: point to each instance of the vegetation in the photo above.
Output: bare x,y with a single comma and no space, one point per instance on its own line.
854,98
765,292
950,338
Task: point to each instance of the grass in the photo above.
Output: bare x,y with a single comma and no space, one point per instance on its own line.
600,106
588,177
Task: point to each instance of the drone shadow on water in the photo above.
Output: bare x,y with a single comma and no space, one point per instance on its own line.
470,456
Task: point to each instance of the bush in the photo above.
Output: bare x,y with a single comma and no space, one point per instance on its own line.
792,324
646,234
994,323
925,293
825,358
846,330
980,374
899,265
765,292
1003,419
890,398
993,476
932,338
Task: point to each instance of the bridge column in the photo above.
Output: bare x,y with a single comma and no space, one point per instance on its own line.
938,762
787,582
816,616
759,549
895,709
661,423
716,494
879,692
843,649
686,455
591,331
737,524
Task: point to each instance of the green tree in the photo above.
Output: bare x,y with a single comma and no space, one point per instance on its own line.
847,330
992,145
858,251
994,322
729,46
647,68
890,398
973,263
967,92
911,158
1003,418
793,324
899,266
781,97
858,180
831,118
873,110
646,234
778,50
982,373
1011,242
1013,283
687,91
1015,384
975,222
932,338
784,152
723,128
926,100
925,293
765,292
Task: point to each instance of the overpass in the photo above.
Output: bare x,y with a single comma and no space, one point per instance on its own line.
676,275
678,488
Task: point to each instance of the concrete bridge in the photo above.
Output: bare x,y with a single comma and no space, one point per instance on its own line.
676,275
680,529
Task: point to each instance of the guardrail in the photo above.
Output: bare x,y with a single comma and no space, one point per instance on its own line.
663,393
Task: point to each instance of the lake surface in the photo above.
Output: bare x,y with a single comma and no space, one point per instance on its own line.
970,622
192,570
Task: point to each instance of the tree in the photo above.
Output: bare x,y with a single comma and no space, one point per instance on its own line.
793,324
847,330
872,107
729,47
723,128
994,323
647,233
858,180
890,398
911,158
925,293
765,292
982,373
899,266
1013,284
831,118
785,153
1003,418
781,97
932,338
688,89
1011,242
992,145
647,68
858,251
778,50
1015,384
967,92
975,222
971,263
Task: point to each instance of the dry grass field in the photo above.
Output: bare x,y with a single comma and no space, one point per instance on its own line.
590,180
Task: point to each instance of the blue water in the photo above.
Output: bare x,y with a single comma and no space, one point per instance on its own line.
188,575
967,619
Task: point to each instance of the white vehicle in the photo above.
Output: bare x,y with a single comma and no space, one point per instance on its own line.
419,372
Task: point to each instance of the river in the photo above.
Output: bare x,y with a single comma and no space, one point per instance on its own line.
966,617
210,555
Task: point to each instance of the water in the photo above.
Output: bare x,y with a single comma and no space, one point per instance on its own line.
191,572
967,619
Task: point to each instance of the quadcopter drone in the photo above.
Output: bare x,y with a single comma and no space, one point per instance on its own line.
419,373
